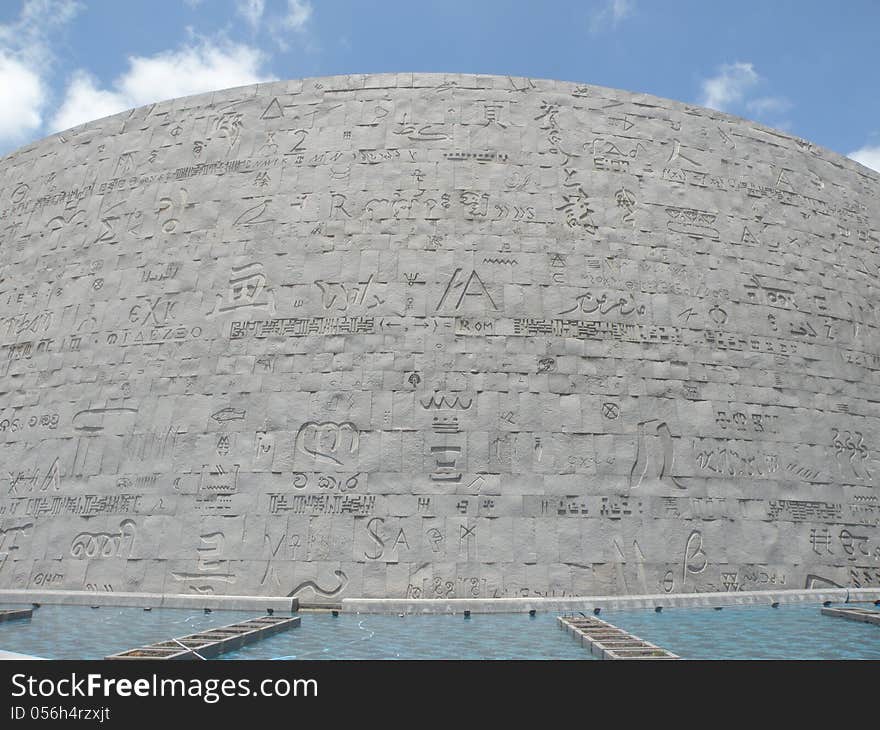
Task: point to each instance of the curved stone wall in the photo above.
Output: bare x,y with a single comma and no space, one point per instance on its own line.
436,336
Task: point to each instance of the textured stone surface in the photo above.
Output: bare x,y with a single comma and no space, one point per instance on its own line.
436,336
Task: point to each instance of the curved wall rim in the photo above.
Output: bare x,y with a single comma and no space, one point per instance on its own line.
437,336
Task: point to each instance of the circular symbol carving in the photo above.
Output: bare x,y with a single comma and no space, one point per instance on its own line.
546,365
98,284
414,379
610,410
718,315
20,193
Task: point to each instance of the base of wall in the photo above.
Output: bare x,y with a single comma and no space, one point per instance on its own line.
440,605
151,600
588,603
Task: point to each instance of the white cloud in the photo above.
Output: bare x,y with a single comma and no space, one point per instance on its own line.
734,89
621,9
252,11
768,105
868,156
28,36
26,59
730,86
22,97
298,14
190,70
611,14
85,101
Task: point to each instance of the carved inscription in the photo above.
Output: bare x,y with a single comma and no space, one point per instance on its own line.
436,336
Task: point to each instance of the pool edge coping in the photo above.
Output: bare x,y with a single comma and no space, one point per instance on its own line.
151,600
589,603
446,605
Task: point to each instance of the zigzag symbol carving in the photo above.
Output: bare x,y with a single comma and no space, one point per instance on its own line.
440,402
512,262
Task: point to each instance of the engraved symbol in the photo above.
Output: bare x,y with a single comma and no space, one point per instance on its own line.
610,410
228,414
273,111
479,289
92,417
442,401
253,216
374,534
692,222
217,482
108,221
820,541
718,315
578,212
445,471
328,440
491,111
151,308
341,296
417,132
414,379
695,560
20,193
730,581
626,200
435,537
104,544
58,223
228,125
223,444
169,225
209,564
546,365
247,288
676,153
817,581
326,592
641,462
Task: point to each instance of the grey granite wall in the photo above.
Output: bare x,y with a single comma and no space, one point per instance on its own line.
440,337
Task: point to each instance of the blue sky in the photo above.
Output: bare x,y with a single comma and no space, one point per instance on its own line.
808,67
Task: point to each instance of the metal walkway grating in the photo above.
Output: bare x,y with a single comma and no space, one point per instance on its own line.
606,641
212,642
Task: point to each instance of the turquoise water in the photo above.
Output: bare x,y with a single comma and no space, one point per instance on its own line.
80,632
371,636
753,632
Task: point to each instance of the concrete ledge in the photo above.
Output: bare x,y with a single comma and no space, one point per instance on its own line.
588,603
15,614
12,655
151,600
854,614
